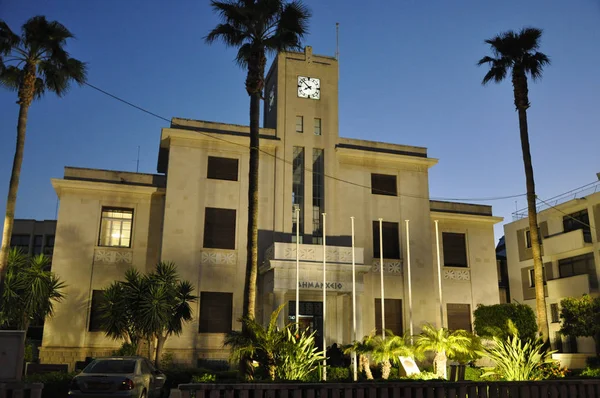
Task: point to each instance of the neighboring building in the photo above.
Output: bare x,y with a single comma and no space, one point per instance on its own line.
569,230
195,214
503,286
34,237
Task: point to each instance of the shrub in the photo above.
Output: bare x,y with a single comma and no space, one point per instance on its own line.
491,320
298,356
56,384
205,378
338,374
553,370
591,372
424,376
473,373
126,350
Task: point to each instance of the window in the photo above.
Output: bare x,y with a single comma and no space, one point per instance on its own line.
578,220
554,313
528,238
558,344
37,244
115,228
455,249
222,168
20,242
299,124
95,312
383,184
577,265
318,194
532,277
393,316
219,228
391,240
298,191
216,311
317,126
459,316
49,245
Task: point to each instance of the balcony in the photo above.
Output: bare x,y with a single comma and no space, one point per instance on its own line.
314,253
572,286
565,242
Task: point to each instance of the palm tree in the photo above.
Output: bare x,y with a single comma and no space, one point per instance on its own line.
30,290
363,348
258,342
389,349
32,64
443,343
256,27
517,53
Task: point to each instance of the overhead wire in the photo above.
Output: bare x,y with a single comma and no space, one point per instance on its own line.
214,136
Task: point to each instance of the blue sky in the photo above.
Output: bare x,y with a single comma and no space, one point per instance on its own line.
407,76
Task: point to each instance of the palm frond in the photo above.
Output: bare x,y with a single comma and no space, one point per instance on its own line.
535,63
8,40
11,78
529,39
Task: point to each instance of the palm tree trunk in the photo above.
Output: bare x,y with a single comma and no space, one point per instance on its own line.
160,344
13,187
367,367
439,364
522,103
386,369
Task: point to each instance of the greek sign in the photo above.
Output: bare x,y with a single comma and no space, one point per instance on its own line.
319,285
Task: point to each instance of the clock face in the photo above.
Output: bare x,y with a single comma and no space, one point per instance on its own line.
271,97
309,87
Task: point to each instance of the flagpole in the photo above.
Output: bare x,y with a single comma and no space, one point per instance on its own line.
354,364
297,210
410,311
381,277
324,299
437,243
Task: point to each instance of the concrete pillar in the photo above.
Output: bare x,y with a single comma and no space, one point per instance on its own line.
277,301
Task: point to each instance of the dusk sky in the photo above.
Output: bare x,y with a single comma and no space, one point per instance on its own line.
408,75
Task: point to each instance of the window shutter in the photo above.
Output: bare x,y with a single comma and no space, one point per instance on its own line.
216,310
219,228
455,249
459,316
222,168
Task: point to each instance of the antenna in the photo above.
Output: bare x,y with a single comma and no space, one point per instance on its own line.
137,163
337,41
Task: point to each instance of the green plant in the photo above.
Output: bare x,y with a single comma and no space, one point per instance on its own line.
151,306
424,376
205,378
363,349
580,317
338,373
553,370
591,372
56,384
167,360
298,356
30,290
443,343
491,320
387,351
473,373
517,359
32,64
126,349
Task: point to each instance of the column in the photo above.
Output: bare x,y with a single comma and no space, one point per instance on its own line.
277,301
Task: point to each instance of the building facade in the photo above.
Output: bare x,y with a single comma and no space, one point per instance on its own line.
194,213
569,232
34,237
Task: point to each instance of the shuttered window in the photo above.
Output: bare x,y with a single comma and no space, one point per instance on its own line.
219,228
455,249
393,316
391,240
216,310
383,184
554,313
459,316
222,168
95,313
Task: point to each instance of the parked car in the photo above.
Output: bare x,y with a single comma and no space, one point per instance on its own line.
134,377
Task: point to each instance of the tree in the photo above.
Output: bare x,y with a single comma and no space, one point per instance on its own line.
152,306
443,343
517,53
363,349
491,320
30,291
387,351
580,317
256,27
32,64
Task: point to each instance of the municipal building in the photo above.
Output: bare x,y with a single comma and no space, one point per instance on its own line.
194,212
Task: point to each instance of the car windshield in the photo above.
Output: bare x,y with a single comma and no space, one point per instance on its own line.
111,366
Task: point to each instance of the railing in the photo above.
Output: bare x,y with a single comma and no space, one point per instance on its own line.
15,389
580,192
565,388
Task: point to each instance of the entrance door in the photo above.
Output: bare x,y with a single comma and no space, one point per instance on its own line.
311,318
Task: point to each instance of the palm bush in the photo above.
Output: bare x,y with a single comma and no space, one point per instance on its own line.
363,349
517,359
387,351
443,343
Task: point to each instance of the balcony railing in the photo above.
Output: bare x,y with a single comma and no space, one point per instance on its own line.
564,242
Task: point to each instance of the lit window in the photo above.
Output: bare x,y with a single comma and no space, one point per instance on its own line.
317,126
115,228
299,124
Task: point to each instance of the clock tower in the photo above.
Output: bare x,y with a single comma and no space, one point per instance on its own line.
301,104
